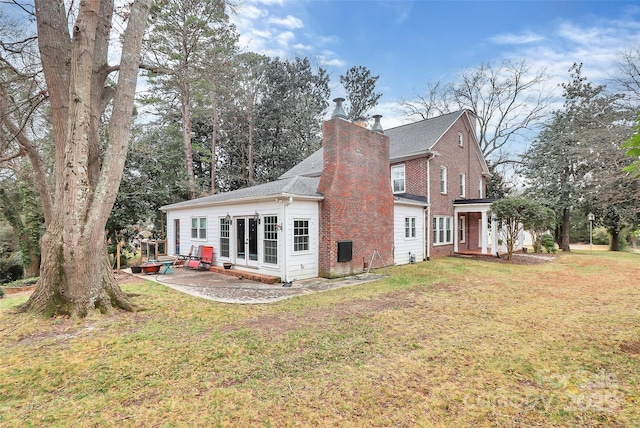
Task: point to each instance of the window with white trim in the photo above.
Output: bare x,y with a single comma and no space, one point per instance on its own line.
462,225
398,179
300,235
442,233
443,180
480,188
463,185
460,139
198,227
225,227
409,227
271,239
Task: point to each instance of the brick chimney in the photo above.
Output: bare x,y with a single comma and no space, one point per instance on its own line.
356,215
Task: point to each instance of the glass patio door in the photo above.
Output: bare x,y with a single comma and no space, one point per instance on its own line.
246,241
176,224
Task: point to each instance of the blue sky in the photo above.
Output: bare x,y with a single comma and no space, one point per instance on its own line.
410,43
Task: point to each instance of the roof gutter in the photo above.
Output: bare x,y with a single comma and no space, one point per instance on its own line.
235,201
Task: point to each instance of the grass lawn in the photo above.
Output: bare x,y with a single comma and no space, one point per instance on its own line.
451,342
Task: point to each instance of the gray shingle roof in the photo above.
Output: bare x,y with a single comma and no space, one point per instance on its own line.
309,167
305,187
419,137
404,141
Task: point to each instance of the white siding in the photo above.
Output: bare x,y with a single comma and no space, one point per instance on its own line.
300,265
303,264
403,245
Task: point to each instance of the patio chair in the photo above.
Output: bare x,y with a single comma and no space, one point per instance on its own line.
207,258
194,260
181,260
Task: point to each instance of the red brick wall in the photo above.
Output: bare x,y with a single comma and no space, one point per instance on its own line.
457,160
415,171
358,201
472,231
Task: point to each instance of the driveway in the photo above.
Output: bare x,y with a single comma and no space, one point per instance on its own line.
229,289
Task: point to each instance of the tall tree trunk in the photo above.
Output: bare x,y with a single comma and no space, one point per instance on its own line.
566,225
76,277
250,154
215,125
615,240
186,134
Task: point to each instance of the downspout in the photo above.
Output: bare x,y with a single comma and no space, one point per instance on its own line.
284,236
428,219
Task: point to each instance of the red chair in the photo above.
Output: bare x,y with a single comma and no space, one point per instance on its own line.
194,261
207,258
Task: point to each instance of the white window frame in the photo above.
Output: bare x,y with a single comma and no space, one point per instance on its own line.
442,233
410,228
400,171
225,237
460,139
301,240
462,232
443,180
480,188
463,185
199,232
270,239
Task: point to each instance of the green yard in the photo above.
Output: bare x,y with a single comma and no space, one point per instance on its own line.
451,342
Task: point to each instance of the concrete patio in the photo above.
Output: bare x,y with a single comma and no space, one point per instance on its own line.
238,289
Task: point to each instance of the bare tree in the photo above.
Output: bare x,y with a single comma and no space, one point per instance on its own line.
75,275
628,76
508,99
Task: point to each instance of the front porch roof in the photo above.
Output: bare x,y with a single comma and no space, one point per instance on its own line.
473,205
409,199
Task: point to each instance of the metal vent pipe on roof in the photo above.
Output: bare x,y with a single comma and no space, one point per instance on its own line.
338,111
377,127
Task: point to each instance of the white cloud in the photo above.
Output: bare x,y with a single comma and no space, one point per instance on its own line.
597,44
269,2
302,47
284,39
247,13
290,22
326,40
327,58
517,39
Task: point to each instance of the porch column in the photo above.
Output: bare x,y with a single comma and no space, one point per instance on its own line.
455,231
484,232
494,235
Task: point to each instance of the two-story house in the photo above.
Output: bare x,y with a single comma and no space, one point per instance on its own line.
405,194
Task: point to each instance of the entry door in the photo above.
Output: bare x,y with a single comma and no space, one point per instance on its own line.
246,241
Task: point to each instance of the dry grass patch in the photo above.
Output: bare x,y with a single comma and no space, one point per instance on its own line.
450,342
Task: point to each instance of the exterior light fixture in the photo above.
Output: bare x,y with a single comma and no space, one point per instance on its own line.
256,217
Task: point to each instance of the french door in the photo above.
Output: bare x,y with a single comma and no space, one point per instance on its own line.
176,227
246,241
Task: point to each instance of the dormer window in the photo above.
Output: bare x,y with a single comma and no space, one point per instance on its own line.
460,139
397,179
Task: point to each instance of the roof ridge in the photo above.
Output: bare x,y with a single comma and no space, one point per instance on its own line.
289,185
458,112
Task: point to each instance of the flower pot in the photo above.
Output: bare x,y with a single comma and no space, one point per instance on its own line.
136,269
227,265
151,268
